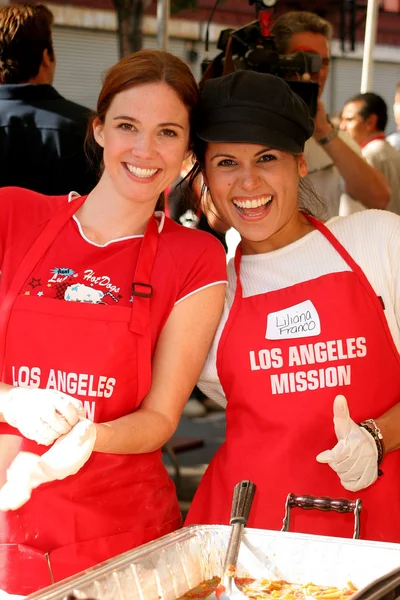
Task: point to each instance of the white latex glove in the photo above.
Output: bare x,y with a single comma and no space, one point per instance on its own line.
64,458
355,456
40,415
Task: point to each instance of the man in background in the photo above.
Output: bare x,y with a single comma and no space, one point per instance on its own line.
41,133
364,117
394,138
335,164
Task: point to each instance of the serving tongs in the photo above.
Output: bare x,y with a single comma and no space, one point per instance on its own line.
242,500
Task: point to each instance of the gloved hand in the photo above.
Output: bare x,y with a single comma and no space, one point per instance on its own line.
40,415
64,458
355,456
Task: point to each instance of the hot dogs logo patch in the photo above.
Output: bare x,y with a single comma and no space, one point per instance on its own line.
72,286
287,365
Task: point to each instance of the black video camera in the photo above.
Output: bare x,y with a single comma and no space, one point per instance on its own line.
253,48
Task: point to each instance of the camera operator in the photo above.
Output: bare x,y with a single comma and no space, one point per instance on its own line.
334,162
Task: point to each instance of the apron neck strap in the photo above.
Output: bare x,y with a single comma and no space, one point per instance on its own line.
335,243
377,300
29,262
338,247
142,292
238,258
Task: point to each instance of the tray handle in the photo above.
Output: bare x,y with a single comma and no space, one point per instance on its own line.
324,503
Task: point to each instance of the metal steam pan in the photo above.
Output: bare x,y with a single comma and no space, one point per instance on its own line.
170,566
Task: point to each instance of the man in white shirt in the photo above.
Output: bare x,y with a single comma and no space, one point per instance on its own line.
394,138
364,117
335,166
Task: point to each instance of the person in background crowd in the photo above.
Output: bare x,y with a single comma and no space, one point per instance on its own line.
311,321
41,133
394,138
334,163
364,117
102,300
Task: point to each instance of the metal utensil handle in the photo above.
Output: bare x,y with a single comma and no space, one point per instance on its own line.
243,495
324,503
232,552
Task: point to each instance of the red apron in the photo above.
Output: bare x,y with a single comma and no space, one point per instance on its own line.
281,366
115,502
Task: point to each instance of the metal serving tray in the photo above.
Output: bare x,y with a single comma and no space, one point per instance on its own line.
167,568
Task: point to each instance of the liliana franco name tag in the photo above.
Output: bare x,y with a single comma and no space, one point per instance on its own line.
298,321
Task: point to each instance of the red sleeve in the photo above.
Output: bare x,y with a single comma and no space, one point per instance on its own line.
199,258
208,268
22,212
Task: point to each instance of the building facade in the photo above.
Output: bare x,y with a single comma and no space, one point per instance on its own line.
85,40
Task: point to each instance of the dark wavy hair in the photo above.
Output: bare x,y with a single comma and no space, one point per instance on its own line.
25,32
372,104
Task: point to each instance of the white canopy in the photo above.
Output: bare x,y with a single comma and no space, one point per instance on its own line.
163,12
371,27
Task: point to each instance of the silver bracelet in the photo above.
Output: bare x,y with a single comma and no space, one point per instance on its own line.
328,138
375,426
372,428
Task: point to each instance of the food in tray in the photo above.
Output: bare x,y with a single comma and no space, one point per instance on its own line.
73,597
266,589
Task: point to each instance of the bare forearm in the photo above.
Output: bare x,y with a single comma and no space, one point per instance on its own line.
140,432
389,424
137,433
363,182
4,388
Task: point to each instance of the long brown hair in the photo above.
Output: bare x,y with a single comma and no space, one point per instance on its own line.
139,68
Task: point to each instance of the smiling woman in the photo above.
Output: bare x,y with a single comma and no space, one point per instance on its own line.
143,126
110,297
138,148
309,316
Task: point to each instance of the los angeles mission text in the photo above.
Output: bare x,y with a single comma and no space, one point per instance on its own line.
74,384
323,355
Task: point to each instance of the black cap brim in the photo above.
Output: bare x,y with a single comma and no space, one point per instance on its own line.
247,133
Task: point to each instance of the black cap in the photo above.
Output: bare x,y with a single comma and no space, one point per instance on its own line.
255,108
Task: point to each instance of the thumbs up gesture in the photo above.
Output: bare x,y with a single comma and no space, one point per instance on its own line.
355,456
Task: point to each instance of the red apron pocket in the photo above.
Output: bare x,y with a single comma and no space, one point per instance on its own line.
74,558
23,570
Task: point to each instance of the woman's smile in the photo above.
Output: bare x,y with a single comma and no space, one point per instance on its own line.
253,208
144,175
255,190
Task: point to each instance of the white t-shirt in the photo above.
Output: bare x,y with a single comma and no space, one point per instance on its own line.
394,140
381,155
325,176
372,239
